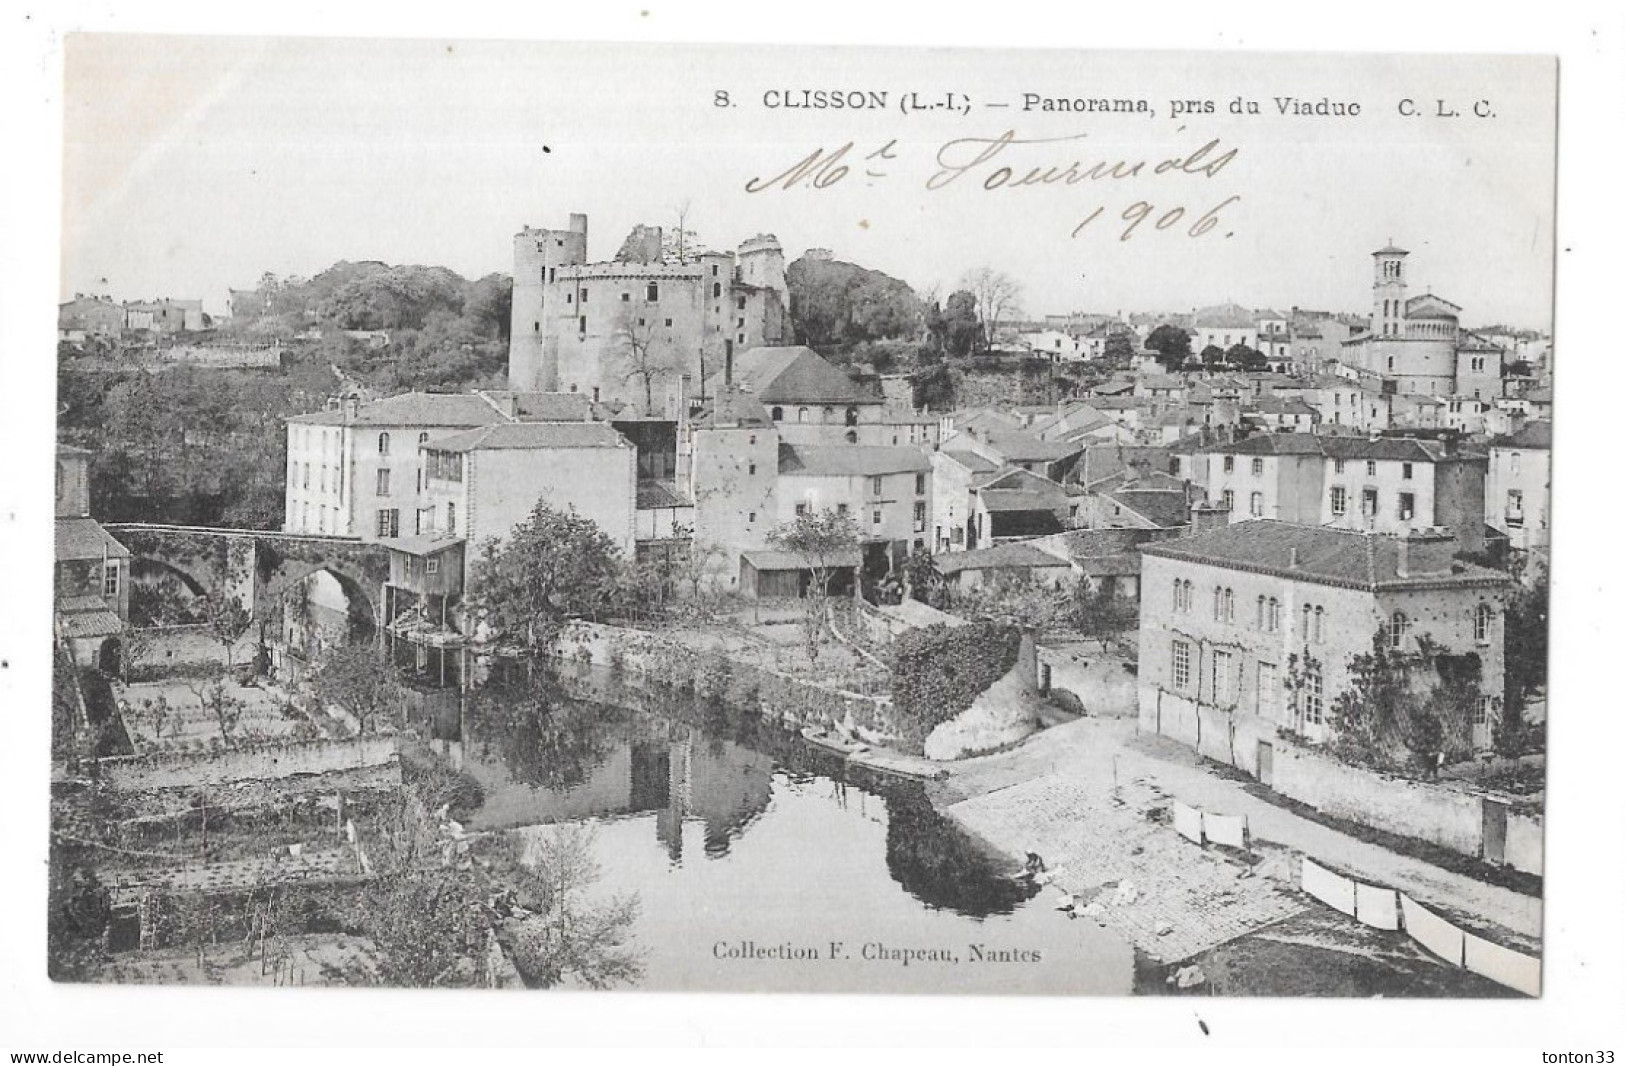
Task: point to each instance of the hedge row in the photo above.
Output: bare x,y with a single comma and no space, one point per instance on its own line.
938,671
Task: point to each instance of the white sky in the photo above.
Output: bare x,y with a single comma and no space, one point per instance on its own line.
195,164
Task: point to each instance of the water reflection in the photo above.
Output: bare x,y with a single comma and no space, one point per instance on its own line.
732,829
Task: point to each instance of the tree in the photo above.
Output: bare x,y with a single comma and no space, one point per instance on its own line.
679,244
555,566
960,325
998,299
1247,358
214,697
922,579
1172,345
225,618
354,677
1212,356
836,306
1099,614
1527,635
820,539
1406,706
646,356
1119,351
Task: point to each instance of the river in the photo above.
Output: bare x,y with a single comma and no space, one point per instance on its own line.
764,864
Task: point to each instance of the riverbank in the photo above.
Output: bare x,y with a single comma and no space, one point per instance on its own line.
1094,800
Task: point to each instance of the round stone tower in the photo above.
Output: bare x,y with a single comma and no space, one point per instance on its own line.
537,256
761,263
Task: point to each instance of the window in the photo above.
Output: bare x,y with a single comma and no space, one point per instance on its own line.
1229,464
583,295
1182,665
919,484
1340,500
716,290
1483,619
1258,621
1224,678
652,294
851,416
841,509
1320,619
1272,617
753,518
1258,468
1314,698
1485,710
1407,505
1514,515
304,518
852,437
1255,505
1370,468
1229,500
829,414
322,520
451,517
626,297
1218,604
1229,605
389,523
1398,627
1405,470
322,475
110,581
801,509
801,414
919,516
383,481
1516,459
1337,466
778,414
306,483
875,484
1368,502
877,516
383,444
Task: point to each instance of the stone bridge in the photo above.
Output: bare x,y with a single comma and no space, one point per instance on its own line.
258,567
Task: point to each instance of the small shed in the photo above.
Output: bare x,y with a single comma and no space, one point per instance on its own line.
771,574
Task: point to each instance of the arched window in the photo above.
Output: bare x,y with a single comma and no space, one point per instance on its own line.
1259,620
1218,604
778,414
851,436
423,438
1320,619
1397,628
1274,618
1483,619
1229,605
1308,614
851,416
801,414
829,414
383,444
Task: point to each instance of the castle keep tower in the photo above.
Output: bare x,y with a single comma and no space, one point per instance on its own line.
1388,292
537,256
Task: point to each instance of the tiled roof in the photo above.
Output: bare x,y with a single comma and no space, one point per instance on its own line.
1532,435
849,460
1226,316
552,406
84,538
423,544
1359,448
998,557
1391,249
733,408
1023,499
1125,564
1021,447
796,375
1319,554
91,624
771,559
1279,405
657,494
976,464
1271,444
533,435
412,409
1164,507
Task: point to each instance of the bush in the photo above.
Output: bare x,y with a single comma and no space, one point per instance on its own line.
937,672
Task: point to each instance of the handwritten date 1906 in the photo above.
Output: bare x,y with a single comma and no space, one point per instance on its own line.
1140,211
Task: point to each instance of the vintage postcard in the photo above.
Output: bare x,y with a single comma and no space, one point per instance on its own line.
790,519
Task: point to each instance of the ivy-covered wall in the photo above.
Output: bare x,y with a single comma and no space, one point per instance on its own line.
937,672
